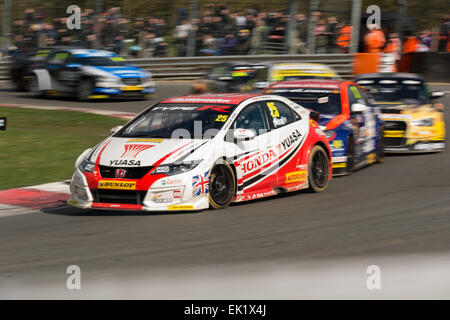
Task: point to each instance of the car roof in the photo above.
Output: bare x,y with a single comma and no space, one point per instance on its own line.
310,83
90,52
389,75
229,98
308,65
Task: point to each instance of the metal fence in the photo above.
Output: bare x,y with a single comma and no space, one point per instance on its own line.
195,67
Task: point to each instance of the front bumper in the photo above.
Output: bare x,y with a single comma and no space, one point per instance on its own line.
159,197
126,91
417,147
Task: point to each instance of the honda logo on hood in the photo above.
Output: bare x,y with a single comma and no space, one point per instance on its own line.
120,173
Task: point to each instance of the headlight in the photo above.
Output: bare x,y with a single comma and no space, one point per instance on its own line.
423,122
330,134
175,168
87,166
107,82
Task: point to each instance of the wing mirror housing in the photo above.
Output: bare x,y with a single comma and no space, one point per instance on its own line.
114,130
314,115
261,85
437,94
243,134
358,108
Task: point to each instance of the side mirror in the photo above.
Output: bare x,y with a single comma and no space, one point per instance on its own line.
358,108
243,134
114,130
314,115
437,94
261,85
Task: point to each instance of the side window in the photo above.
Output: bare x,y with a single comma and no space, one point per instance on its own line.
220,71
279,114
354,95
251,118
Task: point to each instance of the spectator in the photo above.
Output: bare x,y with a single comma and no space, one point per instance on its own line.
181,35
374,40
344,39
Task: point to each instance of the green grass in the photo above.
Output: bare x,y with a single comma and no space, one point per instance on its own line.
41,146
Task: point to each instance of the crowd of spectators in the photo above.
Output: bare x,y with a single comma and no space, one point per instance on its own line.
217,31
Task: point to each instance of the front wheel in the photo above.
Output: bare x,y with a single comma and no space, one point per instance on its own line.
84,90
318,169
222,185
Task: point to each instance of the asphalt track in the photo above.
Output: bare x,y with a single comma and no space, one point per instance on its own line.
399,209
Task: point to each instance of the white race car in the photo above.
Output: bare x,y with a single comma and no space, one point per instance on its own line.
200,151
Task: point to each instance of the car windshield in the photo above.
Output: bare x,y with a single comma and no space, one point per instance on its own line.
286,78
102,61
244,73
324,101
179,121
394,89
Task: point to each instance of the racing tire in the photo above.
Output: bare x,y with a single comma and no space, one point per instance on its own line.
380,149
318,169
350,155
33,87
222,185
84,89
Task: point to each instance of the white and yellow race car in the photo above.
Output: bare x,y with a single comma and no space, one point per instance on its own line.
412,121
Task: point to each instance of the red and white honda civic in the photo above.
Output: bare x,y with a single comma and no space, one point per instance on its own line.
204,151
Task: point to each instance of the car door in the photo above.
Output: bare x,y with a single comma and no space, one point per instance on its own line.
255,157
365,121
287,134
57,69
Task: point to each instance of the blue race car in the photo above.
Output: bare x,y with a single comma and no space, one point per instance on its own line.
351,123
90,74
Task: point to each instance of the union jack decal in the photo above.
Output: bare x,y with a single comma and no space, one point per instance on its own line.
132,150
200,183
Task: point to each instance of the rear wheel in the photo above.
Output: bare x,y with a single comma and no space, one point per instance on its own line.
380,149
318,169
222,185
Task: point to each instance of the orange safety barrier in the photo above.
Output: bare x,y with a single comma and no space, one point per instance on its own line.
365,63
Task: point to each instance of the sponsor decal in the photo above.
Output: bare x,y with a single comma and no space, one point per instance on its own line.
165,182
120,173
200,100
177,194
221,118
200,183
337,144
340,165
163,197
295,176
180,207
258,161
145,140
291,139
215,108
124,162
117,185
132,150
339,159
